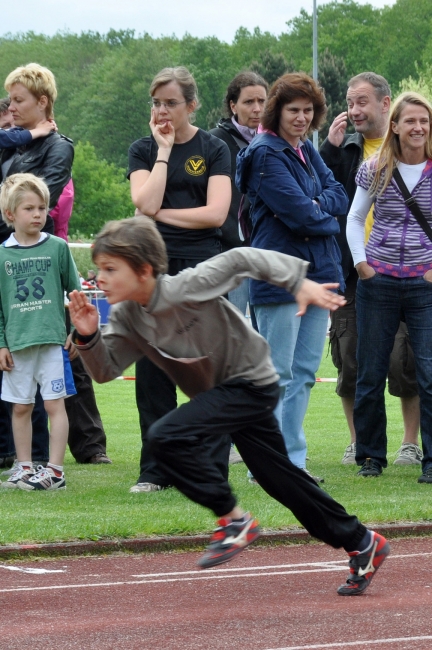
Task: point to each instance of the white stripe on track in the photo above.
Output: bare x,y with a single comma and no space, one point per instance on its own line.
207,576
328,564
215,574
346,644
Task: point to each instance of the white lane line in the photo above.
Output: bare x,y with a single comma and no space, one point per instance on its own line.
215,574
29,570
346,644
330,564
190,579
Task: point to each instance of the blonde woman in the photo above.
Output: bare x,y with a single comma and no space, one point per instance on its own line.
395,277
32,91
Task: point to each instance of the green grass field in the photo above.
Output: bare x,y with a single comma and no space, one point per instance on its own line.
97,504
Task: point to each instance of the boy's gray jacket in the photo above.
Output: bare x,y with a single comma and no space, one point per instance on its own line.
196,336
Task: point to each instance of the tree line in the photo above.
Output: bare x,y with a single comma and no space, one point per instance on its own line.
103,79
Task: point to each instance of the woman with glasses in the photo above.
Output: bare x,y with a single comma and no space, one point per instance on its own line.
180,177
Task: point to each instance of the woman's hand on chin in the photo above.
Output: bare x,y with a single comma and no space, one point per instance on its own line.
163,132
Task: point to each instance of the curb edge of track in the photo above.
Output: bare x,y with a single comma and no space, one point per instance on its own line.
184,542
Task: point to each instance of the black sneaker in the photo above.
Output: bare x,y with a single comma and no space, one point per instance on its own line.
229,538
426,477
363,566
370,468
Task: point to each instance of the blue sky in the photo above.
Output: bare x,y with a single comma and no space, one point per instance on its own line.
200,18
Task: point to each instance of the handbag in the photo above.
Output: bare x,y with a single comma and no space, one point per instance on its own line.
412,204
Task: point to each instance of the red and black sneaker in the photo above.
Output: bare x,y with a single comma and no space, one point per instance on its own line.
363,566
229,538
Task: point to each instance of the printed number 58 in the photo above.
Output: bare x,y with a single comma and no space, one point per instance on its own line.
23,291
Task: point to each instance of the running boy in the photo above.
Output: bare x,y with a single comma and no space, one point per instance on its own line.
35,271
204,344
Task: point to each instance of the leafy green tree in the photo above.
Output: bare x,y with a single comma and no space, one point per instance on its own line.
102,192
332,76
272,66
348,30
112,110
68,56
422,84
406,31
209,60
249,46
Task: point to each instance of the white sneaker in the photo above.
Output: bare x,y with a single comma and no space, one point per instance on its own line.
18,474
349,455
146,487
409,454
11,470
234,456
44,479
317,479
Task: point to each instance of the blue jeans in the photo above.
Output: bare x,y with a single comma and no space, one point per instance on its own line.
239,296
296,349
381,301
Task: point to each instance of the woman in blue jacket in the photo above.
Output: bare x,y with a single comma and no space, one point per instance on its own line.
295,201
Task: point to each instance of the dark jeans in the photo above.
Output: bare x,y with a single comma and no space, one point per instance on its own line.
86,433
156,396
402,380
182,442
381,303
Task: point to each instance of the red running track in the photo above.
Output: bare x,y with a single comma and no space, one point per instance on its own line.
281,598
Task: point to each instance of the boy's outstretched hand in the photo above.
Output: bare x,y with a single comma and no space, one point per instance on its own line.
83,314
312,293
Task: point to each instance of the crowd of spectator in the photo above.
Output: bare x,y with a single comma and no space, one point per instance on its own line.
357,211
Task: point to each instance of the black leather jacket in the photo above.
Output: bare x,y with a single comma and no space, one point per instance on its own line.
50,158
227,132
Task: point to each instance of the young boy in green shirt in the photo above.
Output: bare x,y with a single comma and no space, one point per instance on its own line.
35,270
185,326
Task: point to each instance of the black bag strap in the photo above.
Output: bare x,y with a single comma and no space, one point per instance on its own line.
412,204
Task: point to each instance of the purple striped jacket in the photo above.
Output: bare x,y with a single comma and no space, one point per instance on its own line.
397,245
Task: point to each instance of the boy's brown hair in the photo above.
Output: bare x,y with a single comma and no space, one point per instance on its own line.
13,189
135,240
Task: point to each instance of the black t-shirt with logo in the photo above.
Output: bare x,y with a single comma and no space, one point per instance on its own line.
190,166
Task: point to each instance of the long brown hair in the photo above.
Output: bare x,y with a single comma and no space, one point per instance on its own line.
384,162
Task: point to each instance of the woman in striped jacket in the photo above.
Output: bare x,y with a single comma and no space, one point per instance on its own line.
395,277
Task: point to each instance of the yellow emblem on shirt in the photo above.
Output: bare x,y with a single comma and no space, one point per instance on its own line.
195,165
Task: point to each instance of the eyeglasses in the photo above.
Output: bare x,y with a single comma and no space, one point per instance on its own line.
155,103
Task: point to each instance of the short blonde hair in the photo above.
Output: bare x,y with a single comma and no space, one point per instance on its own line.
13,189
38,80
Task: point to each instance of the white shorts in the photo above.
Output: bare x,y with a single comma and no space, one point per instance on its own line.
46,365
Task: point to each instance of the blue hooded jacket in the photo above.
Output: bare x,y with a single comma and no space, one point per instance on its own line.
294,209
